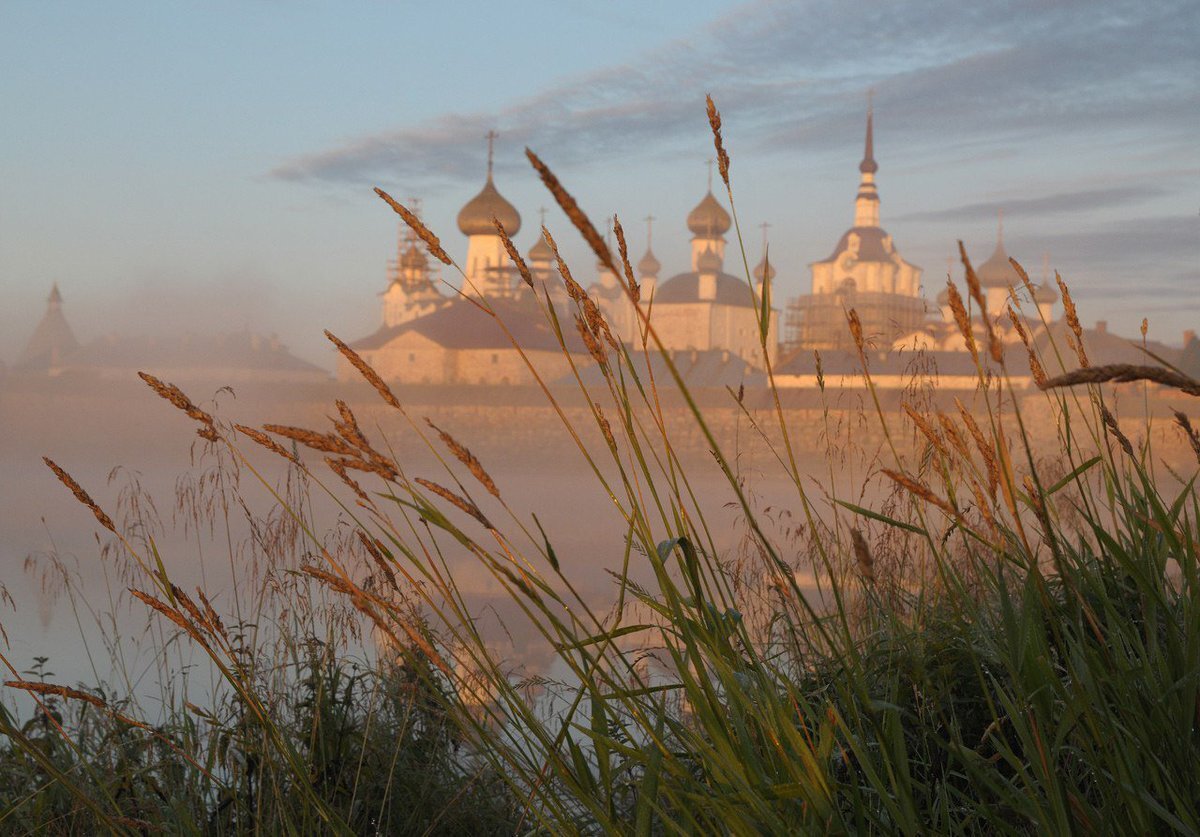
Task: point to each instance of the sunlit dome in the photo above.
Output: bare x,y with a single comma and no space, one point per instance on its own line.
709,219
649,266
476,217
997,271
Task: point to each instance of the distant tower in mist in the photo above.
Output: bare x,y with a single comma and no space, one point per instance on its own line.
410,292
52,340
864,272
488,268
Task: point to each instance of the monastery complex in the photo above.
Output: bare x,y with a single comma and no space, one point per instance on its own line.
706,317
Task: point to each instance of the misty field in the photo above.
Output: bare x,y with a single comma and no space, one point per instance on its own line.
938,615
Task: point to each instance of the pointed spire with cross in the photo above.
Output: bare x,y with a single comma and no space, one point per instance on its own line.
868,164
649,219
491,138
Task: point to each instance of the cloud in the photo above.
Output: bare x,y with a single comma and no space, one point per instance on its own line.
790,76
1079,201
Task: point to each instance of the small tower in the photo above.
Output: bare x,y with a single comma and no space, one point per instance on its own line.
1044,294
487,268
866,203
997,274
52,340
410,292
648,266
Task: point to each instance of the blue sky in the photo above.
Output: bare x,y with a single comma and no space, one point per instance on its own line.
202,165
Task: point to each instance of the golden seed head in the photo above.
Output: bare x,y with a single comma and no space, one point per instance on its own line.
573,212
513,255
714,122
417,225
364,369
80,495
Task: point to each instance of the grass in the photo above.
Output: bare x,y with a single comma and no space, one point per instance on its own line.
1001,641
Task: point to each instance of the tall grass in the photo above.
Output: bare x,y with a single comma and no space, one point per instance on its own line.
998,638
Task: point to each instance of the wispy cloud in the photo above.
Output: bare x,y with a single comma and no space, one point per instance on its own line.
1056,204
789,76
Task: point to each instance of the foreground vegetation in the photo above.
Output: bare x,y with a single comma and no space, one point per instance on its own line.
1007,642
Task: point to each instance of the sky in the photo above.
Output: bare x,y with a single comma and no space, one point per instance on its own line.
203,166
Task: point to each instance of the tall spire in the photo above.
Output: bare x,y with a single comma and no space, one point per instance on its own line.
491,138
868,164
1000,227
649,219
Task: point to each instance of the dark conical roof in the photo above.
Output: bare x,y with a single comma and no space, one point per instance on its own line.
540,251
997,271
764,269
1045,293
709,219
52,339
868,164
649,265
476,217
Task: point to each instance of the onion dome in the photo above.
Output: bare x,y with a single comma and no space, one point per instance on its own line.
997,271
709,219
1043,293
476,217
764,270
540,251
413,259
708,262
649,266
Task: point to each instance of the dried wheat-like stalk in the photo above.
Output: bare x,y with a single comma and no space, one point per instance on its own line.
862,556
995,349
80,495
1072,317
175,395
573,212
210,613
467,458
266,441
1123,373
38,687
961,318
1024,277
605,427
324,442
373,548
417,225
1190,432
461,503
1018,325
594,347
166,610
926,430
985,449
364,369
714,121
1110,421
919,490
513,254
632,287
338,466
954,436
574,291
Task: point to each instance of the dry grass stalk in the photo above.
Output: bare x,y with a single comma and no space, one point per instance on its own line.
210,613
1035,500
1123,373
461,503
954,436
982,504
714,121
176,396
920,491
995,349
961,318
464,455
513,254
597,323
80,495
374,549
986,451
324,442
40,688
574,291
595,349
1024,277
364,369
605,427
166,610
266,441
862,556
187,604
1072,317
1110,422
632,287
1145,328
350,431
1035,369
573,212
339,466
1018,325
926,429
418,226
1190,432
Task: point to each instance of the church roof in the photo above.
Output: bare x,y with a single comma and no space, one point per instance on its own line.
685,287
1045,293
540,251
52,340
461,324
476,217
874,245
414,258
997,271
708,219
649,265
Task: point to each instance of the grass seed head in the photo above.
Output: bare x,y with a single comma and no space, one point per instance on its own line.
513,254
714,122
364,369
80,495
1072,317
418,226
573,212
463,455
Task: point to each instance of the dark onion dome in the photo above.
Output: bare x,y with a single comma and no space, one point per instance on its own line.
708,262
709,219
414,258
997,271
1045,294
476,217
540,251
874,245
685,287
649,266
764,269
